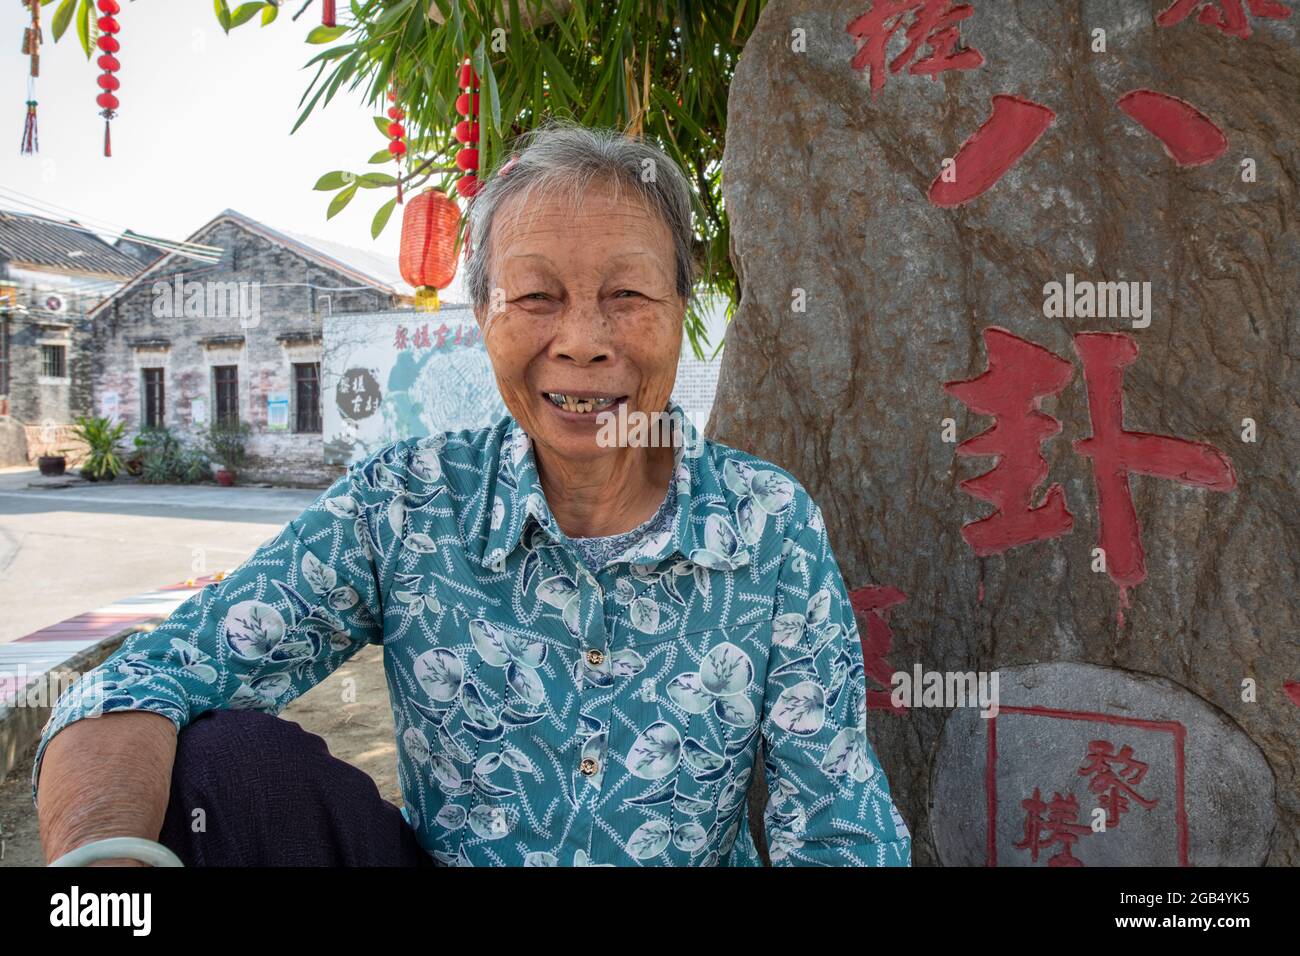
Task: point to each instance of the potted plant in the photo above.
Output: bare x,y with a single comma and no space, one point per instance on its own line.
225,444
104,441
52,466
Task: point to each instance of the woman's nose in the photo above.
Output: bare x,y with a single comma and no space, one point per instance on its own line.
582,335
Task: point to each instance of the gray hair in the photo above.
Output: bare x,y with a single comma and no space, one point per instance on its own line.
565,155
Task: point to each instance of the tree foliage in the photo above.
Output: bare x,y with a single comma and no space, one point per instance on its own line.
659,68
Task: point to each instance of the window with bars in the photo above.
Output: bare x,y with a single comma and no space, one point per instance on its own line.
153,397
225,385
54,362
306,387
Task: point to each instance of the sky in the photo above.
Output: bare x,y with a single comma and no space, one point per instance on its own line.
203,126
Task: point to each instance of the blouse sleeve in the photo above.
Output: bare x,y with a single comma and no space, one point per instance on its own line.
300,606
829,802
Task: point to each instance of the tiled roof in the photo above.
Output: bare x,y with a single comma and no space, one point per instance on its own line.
40,243
338,258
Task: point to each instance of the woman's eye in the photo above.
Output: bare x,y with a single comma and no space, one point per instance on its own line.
623,292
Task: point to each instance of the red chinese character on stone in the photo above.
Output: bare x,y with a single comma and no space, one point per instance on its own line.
1060,826
1226,15
421,339
1115,785
987,154
873,603
933,23
1116,453
399,340
1189,136
1020,375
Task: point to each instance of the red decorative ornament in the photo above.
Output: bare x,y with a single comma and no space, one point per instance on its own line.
327,13
32,39
467,131
396,137
108,83
428,252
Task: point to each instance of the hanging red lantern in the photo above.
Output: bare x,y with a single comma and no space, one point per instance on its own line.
428,252
327,13
467,131
108,83
396,137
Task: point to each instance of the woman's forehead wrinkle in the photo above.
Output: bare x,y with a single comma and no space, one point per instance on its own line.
634,226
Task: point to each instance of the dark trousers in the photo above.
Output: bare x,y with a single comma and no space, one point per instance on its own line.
249,789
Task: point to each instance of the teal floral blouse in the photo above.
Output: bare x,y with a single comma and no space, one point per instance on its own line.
546,715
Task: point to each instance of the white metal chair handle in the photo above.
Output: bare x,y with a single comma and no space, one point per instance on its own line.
119,848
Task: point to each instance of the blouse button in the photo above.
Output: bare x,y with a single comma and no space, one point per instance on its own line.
595,657
588,766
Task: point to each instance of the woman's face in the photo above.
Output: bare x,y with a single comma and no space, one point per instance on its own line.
584,316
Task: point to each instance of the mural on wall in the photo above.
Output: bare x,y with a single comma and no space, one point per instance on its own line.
392,375
1037,366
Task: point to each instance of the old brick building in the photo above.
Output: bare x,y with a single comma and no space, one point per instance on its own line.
187,343
52,274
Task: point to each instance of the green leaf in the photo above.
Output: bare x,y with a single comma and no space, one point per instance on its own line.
223,14
381,124
63,17
83,26
494,98
323,34
335,180
269,13
245,12
341,200
383,156
555,69
375,180
381,218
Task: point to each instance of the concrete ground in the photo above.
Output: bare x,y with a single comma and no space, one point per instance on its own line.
66,550
69,546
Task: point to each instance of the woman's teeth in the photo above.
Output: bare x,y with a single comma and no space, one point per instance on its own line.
571,404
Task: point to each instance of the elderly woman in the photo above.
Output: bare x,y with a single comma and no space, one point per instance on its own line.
587,635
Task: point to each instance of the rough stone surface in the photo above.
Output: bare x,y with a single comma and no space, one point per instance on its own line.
1050,717
827,192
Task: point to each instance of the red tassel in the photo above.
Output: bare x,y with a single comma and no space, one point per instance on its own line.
327,13
399,187
30,143
108,141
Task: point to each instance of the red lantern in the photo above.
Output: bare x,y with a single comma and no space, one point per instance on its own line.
107,42
396,137
467,131
428,252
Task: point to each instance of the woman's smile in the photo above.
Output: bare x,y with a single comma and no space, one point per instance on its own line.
580,405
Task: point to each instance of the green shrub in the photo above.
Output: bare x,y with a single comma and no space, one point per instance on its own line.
104,439
164,459
225,444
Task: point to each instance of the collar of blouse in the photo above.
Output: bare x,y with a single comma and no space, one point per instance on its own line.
519,505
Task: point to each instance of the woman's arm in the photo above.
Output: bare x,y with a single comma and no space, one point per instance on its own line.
106,778
303,604
829,802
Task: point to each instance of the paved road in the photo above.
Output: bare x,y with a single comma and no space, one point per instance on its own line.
66,550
